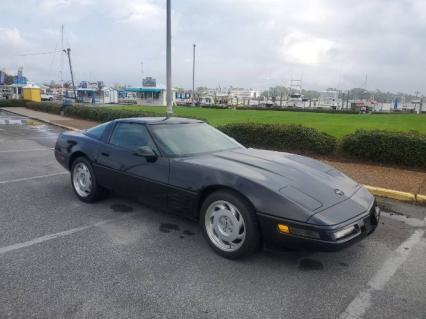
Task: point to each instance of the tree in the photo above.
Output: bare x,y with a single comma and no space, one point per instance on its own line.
311,94
200,91
8,79
360,94
276,91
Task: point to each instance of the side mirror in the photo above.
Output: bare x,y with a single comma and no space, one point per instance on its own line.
147,152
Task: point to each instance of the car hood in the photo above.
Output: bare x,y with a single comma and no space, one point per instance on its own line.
308,182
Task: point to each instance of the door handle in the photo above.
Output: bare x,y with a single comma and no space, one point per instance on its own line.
104,154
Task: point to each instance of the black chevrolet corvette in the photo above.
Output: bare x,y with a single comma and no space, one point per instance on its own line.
242,197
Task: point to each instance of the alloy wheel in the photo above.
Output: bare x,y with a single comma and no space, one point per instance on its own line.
225,226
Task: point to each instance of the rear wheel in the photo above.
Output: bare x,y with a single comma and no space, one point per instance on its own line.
83,181
230,225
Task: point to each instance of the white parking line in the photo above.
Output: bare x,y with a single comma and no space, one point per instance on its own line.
31,178
357,308
41,239
28,150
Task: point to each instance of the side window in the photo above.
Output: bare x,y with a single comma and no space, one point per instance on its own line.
97,131
131,136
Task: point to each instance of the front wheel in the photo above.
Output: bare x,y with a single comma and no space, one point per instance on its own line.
83,181
229,225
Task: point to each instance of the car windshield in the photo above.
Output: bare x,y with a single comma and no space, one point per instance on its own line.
190,139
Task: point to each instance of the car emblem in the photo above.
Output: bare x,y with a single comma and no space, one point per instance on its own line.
339,192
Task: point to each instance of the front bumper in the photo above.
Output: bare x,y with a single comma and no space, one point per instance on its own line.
363,225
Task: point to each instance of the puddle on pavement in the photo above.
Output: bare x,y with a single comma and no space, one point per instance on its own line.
308,264
16,120
188,232
11,121
167,228
34,124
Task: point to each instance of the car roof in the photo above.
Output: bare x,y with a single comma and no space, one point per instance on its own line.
160,120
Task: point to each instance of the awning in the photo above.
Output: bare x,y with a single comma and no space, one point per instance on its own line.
153,90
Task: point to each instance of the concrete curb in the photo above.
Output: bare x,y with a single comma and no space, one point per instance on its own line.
394,194
45,121
421,199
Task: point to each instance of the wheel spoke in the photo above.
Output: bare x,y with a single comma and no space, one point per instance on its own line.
240,236
240,221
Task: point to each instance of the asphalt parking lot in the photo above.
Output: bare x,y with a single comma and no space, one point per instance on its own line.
61,258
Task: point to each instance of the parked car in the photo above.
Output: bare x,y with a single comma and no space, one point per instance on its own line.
46,97
242,197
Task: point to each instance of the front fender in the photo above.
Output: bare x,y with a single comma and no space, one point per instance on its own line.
263,193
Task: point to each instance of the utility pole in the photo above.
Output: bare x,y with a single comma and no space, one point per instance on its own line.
68,52
169,60
193,75
62,61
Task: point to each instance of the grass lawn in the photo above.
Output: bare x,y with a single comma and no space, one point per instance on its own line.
337,125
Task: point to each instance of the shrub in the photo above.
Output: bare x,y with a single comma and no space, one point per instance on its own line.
91,113
12,103
47,107
103,114
407,149
281,137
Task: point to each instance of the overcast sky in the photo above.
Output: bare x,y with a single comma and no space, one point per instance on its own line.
244,43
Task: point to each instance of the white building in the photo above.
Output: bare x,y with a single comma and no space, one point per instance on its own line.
243,97
105,95
228,96
150,93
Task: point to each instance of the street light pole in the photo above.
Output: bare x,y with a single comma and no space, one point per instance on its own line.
68,53
193,75
169,61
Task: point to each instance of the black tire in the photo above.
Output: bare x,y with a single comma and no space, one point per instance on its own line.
96,192
251,242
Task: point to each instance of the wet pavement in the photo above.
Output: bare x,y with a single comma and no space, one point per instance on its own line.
61,258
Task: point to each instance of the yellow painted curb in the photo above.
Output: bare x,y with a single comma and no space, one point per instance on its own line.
421,199
390,193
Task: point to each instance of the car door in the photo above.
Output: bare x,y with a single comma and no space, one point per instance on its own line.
129,173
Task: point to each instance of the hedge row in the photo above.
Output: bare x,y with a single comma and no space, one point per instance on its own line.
47,107
91,113
102,114
398,148
408,149
282,137
12,103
